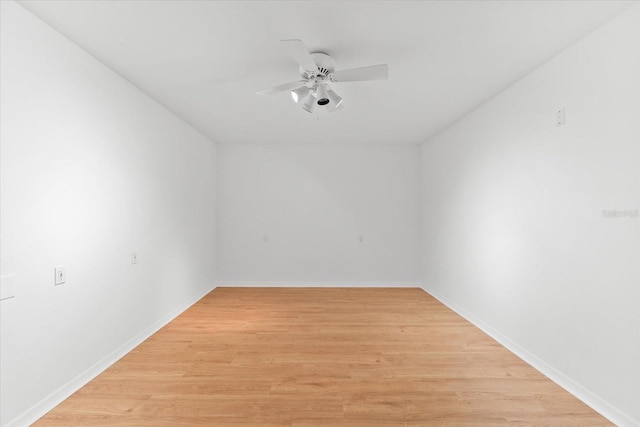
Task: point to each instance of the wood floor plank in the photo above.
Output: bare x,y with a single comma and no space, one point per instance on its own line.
320,356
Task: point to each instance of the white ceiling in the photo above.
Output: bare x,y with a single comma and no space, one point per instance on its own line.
204,60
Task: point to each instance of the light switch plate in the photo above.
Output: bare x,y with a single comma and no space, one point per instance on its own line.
60,275
7,286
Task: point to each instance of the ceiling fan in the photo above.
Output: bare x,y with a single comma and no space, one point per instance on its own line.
317,70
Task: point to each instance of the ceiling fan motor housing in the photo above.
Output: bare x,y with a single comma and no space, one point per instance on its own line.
326,65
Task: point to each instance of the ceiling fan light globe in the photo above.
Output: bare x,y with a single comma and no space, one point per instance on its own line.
335,99
309,104
299,93
322,96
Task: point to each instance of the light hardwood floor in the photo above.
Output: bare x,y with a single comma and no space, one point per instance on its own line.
311,356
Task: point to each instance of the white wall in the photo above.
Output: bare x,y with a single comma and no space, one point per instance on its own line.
513,231
313,202
92,170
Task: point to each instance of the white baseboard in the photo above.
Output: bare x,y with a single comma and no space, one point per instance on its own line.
601,406
38,410
300,284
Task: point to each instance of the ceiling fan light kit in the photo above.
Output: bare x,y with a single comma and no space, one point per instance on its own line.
317,70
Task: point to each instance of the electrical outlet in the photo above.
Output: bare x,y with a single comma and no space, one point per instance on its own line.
60,275
134,258
560,117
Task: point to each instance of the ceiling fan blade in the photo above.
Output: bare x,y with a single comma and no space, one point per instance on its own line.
372,72
300,54
281,88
